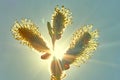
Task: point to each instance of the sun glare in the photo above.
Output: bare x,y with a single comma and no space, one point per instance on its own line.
59,51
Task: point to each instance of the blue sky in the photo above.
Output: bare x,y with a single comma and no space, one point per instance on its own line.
18,62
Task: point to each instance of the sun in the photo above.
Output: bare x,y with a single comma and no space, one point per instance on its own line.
59,51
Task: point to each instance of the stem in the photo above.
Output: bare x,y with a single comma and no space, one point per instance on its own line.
53,43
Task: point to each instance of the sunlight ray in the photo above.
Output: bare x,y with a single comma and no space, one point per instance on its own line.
105,63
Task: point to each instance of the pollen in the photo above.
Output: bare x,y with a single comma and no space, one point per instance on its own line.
28,34
88,47
61,16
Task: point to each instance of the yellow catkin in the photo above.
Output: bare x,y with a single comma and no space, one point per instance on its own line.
79,51
64,14
61,18
91,46
27,33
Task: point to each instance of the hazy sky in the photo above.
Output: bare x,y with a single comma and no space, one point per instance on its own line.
18,62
